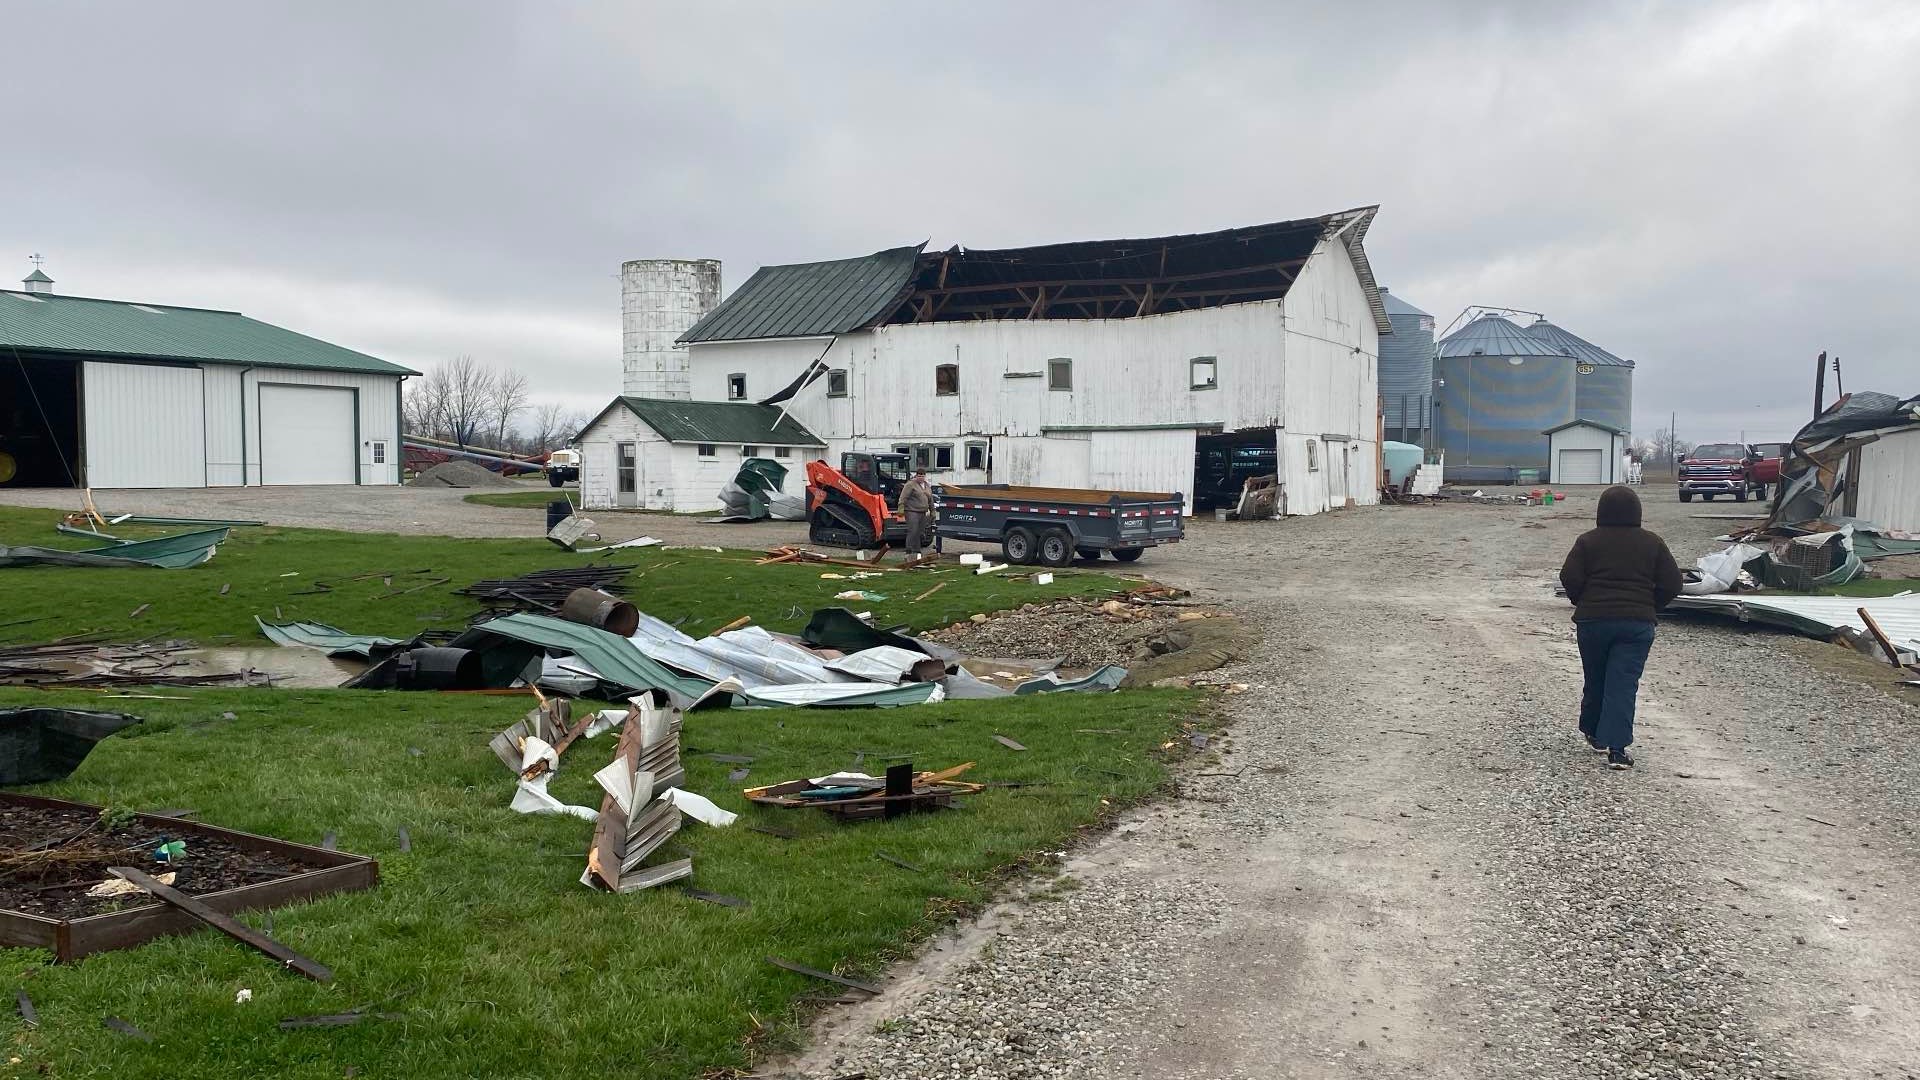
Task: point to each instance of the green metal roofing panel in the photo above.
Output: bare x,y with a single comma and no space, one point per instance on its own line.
681,421
811,299
47,322
614,657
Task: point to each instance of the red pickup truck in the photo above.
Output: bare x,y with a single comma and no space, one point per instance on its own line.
1722,469
1766,470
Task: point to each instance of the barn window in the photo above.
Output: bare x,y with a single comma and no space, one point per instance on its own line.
783,451
706,449
943,457
749,451
946,380
976,455
837,383
902,448
1206,372
1060,373
1313,455
736,387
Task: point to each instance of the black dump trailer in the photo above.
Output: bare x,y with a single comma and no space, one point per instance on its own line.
1050,526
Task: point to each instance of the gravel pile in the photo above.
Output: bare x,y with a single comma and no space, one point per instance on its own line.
1086,634
460,473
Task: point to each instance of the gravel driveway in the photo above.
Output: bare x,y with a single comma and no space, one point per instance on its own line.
1416,869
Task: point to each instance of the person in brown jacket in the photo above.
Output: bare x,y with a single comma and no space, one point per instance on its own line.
1618,576
916,502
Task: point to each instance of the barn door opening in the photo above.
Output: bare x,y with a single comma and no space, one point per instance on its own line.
39,423
309,434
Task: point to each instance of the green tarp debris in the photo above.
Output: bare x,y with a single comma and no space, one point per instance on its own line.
175,552
330,639
1107,678
38,745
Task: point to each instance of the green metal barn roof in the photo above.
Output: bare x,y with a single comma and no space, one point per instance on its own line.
45,322
680,421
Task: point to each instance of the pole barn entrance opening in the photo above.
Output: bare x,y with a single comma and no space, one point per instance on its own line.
308,435
39,422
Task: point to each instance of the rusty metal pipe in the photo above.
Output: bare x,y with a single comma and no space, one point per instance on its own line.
591,607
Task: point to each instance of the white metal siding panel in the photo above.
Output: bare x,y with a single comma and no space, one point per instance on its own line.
307,435
220,385
378,419
1890,481
145,426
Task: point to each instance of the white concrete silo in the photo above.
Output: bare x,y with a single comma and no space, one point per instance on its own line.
659,300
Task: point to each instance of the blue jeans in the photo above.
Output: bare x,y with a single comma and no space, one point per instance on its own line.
1613,653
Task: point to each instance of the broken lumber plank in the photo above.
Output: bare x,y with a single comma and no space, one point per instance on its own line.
1879,635
139,611
744,620
898,861
826,976
334,1020
1008,743
715,898
226,924
928,593
25,1004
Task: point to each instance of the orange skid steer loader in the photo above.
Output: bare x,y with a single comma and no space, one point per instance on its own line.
852,506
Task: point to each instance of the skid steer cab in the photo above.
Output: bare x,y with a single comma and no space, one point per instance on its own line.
852,506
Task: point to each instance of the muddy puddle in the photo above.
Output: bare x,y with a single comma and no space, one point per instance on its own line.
294,669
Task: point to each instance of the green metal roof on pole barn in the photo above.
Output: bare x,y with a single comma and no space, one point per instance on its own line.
116,329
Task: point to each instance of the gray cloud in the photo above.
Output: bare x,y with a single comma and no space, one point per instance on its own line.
1717,191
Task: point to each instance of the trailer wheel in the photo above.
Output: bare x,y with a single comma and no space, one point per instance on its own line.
1089,554
1128,554
1018,545
1686,496
1056,547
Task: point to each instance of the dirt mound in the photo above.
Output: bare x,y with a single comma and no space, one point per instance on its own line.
1151,640
459,474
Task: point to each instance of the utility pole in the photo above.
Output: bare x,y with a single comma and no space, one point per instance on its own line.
1673,445
1820,385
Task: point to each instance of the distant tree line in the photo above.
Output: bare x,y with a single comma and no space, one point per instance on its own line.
474,404
1661,449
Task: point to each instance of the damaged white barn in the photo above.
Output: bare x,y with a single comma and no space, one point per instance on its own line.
1176,363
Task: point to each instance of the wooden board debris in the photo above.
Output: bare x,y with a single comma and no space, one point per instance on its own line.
226,924
825,976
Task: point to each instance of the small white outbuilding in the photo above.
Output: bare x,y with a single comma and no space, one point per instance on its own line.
1585,452
673,454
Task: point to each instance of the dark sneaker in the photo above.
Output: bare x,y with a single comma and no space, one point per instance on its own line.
1619,759
1597,746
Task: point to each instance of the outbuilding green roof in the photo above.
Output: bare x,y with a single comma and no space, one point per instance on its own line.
680,421
45,322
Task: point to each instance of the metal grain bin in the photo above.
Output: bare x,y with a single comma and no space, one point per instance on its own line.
1406,370
1496,390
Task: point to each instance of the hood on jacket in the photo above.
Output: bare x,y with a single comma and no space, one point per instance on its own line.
1618,506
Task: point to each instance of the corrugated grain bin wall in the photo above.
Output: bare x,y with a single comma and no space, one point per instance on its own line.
1492,409
1604,394
659,300
1406,369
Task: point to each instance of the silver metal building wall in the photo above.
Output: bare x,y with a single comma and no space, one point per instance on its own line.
1406,370
660,299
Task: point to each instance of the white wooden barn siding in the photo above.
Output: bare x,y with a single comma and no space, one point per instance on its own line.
1331,387
1582,437
1890,481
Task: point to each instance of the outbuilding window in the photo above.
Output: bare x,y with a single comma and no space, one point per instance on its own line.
379,451
1206,372
737,387
1313,455
946,380
783,451
749,451
977,455
837,383
1060,373
706,449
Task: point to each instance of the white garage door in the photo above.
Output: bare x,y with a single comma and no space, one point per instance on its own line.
307,435
1578,467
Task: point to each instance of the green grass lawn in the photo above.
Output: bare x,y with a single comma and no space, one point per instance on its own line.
481,937
531,499
1875,587
274,569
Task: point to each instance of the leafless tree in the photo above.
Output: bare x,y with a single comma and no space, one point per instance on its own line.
424,406
470,397
509,400
1664,448
549,430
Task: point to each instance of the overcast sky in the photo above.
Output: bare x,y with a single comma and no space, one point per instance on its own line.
1717,191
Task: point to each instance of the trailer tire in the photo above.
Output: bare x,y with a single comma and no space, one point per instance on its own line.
1686,496
1017,545
1129,554
1740,496
1056,548
1089,554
